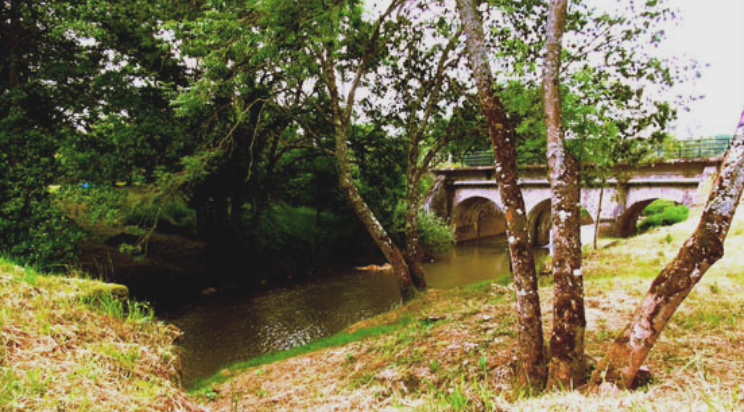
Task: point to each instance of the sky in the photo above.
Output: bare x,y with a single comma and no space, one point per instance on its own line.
711,32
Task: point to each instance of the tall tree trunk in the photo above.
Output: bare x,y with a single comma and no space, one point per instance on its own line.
567,363
599,213
413,246
15,45
531,369
699,252
342,109
368,219
414,254
4,50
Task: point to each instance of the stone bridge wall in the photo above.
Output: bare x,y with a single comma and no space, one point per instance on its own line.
463,192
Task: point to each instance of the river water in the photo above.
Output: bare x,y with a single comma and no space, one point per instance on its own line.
236,326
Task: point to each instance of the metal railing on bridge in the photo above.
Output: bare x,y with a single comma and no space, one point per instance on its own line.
678,149
685,149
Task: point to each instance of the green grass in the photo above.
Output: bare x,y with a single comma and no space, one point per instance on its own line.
75,344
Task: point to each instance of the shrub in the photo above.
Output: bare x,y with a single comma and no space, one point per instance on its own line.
172,212
302,235
662,213
435,236
657,206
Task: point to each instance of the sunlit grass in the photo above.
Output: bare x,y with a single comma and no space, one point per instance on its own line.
74,344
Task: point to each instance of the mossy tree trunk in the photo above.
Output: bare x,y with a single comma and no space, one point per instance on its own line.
531,369
567,362
699,252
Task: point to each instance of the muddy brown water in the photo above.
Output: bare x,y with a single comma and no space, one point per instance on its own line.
236,326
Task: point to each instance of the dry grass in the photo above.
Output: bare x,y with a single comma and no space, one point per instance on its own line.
68,345
458,353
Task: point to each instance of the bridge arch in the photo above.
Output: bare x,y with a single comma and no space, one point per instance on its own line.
628,221
477,217
539,220
539,223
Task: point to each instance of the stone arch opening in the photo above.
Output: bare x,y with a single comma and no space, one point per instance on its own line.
539,223
476,218
628,223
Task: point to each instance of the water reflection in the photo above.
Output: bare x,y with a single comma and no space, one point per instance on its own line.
227,328
473,262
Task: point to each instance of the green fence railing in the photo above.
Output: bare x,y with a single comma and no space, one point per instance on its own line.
679,149
685,149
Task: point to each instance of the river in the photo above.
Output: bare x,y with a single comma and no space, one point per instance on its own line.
235,326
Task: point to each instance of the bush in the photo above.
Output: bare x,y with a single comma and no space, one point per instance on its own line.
301,236
172,213
662,213
43,236
657,206
108,206
435,236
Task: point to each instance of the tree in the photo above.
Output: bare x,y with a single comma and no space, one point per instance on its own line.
567,363
85,92
699,252
416,95
531,368
316,58
595,98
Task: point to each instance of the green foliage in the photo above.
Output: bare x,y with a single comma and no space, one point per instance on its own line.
662,213
657,206
92,204
170,213
435,236
138,209
302,236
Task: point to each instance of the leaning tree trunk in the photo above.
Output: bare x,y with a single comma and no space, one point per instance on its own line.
620,365
531,369
368,219
567,363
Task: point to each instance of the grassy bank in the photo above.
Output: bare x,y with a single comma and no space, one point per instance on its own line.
456,350
70,344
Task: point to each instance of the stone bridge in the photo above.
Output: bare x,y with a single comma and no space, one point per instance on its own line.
468,197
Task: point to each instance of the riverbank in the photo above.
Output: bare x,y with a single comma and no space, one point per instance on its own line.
453,350
69,344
